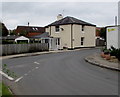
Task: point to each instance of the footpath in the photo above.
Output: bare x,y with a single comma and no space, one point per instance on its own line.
96,59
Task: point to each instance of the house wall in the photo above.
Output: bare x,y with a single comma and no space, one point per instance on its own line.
65,35
88,34
112,37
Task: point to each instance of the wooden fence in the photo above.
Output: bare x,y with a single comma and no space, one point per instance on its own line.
9,49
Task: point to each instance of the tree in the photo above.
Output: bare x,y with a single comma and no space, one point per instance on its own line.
103,33
3,30
12,32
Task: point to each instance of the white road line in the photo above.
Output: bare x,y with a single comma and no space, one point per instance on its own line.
36,63
5,75
18,79
36,67
25,74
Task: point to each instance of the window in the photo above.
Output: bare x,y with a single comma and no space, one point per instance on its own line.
82,40
36,28
57,28
33,28
82,27
46,41
58,41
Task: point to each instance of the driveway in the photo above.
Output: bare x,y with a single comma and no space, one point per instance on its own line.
61,74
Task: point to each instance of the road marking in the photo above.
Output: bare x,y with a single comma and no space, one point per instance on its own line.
18,79
5,75
36,63
25,74
36,67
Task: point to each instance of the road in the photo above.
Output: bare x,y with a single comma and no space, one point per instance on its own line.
61,74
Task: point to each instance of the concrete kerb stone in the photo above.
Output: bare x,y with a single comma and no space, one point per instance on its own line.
101,65
6,76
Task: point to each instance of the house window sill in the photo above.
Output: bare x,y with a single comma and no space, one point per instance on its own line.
83,32
57,32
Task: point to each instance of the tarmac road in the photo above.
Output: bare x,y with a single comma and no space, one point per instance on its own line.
64,73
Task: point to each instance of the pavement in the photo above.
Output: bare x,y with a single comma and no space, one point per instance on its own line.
97,60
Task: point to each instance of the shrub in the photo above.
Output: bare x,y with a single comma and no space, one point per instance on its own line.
106,51
103,49
118,54
115,52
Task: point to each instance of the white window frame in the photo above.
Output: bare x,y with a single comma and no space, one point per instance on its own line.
57,28
83,28
82,41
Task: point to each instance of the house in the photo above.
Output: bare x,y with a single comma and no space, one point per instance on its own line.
9,39
45,38
29,31
72,33
112,36
14,39
37,38
22,39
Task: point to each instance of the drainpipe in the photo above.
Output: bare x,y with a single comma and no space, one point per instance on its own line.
71,36
50,30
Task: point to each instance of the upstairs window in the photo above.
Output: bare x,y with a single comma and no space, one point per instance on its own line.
82,27
82,40
57,28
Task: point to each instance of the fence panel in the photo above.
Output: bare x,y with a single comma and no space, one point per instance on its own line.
8,49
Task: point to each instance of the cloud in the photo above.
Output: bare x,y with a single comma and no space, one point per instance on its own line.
43,13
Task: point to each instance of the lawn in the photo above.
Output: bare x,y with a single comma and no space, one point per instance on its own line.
4,91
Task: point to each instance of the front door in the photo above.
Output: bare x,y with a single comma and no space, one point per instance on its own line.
58,43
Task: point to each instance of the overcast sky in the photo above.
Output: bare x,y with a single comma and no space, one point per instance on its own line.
44,13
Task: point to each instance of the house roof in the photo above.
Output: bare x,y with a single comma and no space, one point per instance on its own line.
21,38
70,20
11,37
46,34
113,26
20,29
33,34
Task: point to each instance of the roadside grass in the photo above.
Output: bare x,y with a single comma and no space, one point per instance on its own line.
4,91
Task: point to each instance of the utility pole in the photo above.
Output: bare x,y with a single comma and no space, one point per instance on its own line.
115,20
28,23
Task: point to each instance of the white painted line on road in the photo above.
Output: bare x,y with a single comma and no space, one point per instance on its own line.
5,75
25,74
18,79
36,67
36,63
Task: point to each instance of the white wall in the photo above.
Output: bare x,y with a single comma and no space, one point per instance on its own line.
112,37
89,35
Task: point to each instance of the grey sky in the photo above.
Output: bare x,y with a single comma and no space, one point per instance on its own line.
43,13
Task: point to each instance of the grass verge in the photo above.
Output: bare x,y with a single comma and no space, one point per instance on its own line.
4,91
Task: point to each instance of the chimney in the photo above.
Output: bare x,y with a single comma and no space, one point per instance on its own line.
59,17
